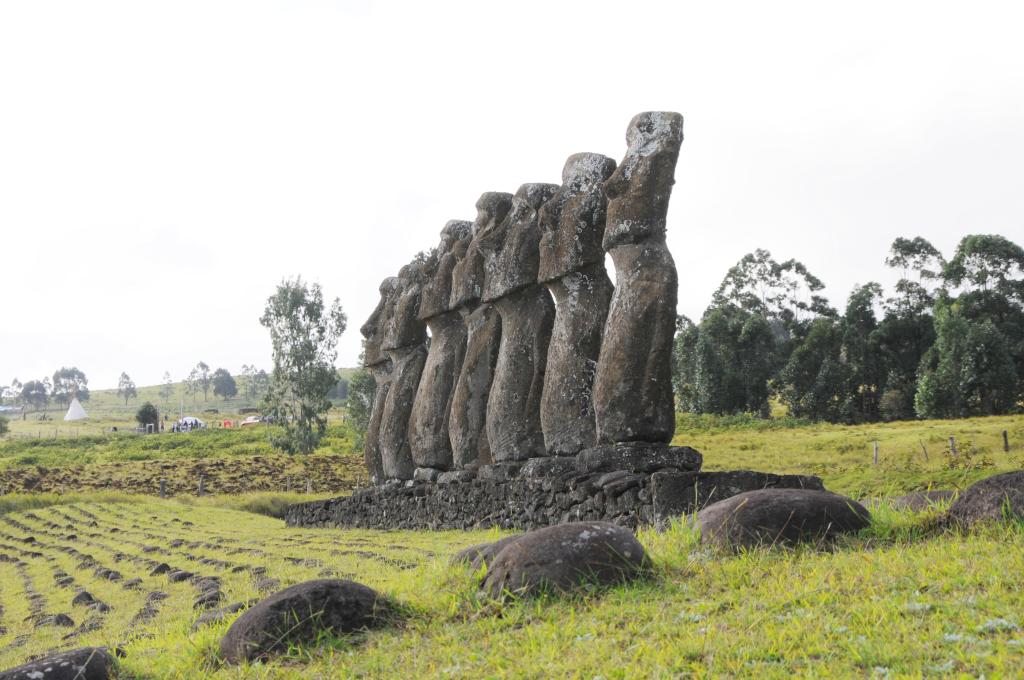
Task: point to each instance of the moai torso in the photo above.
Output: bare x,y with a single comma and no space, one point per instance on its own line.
379,365
512,260
572,267
633,398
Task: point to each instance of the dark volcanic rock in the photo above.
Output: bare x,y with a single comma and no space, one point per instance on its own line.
639,457
429,438
996,498
779,516
83,598
633,398
564,558
549,466
380,367
382,373
677,494
87,663
921,500
299,615
217,615
567,405
396,457
468,418
499,472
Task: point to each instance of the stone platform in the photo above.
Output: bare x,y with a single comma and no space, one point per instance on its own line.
625,497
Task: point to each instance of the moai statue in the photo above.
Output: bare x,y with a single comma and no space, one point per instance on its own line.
379,365
572,267
633,398
511,262
429,440
466,424
404,343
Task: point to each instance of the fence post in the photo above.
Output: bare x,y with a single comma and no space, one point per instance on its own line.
875,445
288,484
202,484
952,445
163,488
309,486
1006,441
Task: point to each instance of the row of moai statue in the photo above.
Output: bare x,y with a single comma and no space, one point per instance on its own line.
532,351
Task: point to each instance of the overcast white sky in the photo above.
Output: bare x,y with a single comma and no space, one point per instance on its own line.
163,165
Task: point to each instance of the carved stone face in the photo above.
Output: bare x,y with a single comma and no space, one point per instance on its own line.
468,275
512,255
436,296
405,328
373,330
572,222
640,188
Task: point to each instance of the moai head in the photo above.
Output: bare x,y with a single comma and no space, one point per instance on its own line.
468,275
405,329
374,328
572,222
436,296
512,253
639,189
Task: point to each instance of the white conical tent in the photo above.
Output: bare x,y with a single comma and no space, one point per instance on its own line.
75,411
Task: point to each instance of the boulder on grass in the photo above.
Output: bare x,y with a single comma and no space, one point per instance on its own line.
565,557
769,517
301,614
996,498
919,501
87,663
482,553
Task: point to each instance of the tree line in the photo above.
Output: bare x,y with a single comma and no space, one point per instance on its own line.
947,342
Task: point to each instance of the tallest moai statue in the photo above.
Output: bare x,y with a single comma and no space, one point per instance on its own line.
633,400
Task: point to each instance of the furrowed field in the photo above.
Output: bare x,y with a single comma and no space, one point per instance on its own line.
905,598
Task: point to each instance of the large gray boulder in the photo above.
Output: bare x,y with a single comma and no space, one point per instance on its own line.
87,663
918,501
633,399
482,553
997,498
301,614
771,517
565,557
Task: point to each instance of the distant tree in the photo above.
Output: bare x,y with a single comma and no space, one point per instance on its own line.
260,383
915,295
224,385
304,332
988,262
148,415
36,394
192,384
203,378
126,388
340,390
167,388
3,426
15,391
361,392
68,384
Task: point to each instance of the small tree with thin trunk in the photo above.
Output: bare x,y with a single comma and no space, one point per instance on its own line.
126,388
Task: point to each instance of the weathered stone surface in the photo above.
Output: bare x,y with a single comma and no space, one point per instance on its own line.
499,472
512,249
997,498
564,558
87,663
437,291
404,328
396,457
429,438
639,458
572,222
468,417
455,476
513,407
548,466
426,474
300,614
567,406
374,328
221,614
482,553
380,367
922,500
468,274
382,373
675,494
772,517
633,398
528,502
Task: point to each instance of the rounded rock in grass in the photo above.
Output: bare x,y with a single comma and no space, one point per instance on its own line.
482,553
87,663
565,557
997,498
769,517
919,501
301,614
